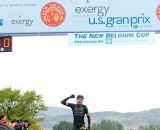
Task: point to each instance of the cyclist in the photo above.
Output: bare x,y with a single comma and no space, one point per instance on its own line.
79,111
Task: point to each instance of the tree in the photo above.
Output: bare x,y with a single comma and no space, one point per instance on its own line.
63,125
107,125
149,127
8,100
30,105
103,125
18,105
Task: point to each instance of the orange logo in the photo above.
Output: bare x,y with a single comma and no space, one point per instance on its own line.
53,14
158,12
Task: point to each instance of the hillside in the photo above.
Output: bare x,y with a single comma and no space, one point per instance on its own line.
130,120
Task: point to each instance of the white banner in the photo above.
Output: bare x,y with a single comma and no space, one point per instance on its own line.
34,17
108,38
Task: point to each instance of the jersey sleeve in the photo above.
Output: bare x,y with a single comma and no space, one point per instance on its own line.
71,105
86,109
88,116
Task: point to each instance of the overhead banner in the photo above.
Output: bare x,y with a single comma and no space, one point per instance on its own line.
36,17
111,38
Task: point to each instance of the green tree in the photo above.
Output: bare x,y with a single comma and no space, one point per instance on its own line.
149,127
30,105
8,101
18,105
63,125
107,125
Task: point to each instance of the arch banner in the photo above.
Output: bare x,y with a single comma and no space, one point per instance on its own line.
45,17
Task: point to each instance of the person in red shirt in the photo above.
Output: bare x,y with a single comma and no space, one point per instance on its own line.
3,121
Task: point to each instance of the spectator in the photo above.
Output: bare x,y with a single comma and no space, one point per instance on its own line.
15,124
22,125
3,120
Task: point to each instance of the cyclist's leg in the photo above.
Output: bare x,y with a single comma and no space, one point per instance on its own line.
75,128
82,127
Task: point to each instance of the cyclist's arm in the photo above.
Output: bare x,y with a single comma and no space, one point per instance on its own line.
88,117
64,101
89,120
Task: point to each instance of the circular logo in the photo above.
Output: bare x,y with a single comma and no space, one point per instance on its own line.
53,14
158,12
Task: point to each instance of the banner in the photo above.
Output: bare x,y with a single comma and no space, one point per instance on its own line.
45,17
111,38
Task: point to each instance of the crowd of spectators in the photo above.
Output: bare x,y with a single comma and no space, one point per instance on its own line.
15,124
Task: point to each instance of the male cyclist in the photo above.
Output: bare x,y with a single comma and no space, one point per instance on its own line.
79,111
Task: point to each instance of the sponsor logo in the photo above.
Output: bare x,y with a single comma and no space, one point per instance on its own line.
99,15
133,22
99,11
22,21
158,12
116,38
1,22
53,14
